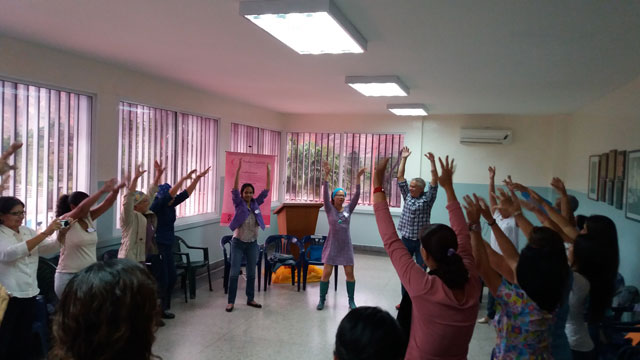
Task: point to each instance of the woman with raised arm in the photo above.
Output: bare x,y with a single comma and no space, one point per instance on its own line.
245,224
137,222
80,239
445,300
529,289
164,206
338,249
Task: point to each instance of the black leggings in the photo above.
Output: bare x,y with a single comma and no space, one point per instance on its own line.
16,338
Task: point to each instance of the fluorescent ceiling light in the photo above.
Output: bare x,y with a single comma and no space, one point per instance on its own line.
306,26
378,85
408,109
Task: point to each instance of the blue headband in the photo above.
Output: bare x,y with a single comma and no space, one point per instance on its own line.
333,194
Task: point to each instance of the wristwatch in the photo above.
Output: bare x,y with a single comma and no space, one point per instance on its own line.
474,227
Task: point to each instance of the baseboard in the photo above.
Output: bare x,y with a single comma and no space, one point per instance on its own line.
370,250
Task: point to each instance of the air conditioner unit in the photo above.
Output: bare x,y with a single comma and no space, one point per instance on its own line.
485,136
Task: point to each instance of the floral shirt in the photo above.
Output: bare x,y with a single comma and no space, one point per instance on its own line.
522,327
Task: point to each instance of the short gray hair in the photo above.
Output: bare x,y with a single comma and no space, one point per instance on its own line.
420,181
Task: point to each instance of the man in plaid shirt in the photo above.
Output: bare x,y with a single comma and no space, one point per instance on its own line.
416,212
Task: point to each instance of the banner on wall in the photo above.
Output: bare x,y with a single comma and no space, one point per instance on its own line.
254,171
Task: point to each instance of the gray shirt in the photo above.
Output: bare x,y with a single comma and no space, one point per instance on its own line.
248,231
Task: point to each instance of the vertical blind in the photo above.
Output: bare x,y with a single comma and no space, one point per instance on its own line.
254,140
55,128
346,154
180,142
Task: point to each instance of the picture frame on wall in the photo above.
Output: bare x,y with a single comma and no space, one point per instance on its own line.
602,187
633,185
594,177
611,165
618,187
610,191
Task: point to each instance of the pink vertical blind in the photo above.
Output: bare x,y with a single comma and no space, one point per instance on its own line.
181,142
346,154
53,126
255,140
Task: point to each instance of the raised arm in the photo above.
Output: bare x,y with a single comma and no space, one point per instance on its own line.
565,207
325,187
268,187
176,188
107,203
159,170
488,274
404,154
565,225
83,209
510,206
10,253
195,181
5,167
133,183
236,180
492,187
356,195
434,168
509,251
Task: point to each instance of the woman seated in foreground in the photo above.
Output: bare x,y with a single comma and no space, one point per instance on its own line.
445,300
107,312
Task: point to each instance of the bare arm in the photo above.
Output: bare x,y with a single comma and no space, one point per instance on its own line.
159,170
236,181
404,154
176,188
446,179
4,164
195,181
83,209
133,183
511,206
434,169
107,203
499,264
35,241
268,187
564,224
492,186
565,207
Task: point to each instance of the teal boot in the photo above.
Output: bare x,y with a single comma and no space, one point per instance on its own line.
324,287
351,288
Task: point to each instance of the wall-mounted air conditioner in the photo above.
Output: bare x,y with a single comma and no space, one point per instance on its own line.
485,136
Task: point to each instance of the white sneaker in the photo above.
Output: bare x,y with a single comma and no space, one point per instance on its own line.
483,320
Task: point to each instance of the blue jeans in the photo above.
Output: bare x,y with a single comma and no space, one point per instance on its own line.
167,275
240,250
414,250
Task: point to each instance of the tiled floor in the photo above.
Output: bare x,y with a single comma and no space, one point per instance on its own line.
288,326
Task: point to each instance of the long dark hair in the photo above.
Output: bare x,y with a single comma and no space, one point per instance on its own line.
246,185
7,203
543,270
588,260
107,312
369,333
441,243
65,201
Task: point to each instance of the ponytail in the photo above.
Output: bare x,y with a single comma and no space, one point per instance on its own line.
65,201
441,243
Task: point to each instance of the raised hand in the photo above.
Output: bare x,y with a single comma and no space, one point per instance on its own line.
139,171
4,182
472,209
326,168
446,173
430,156
492,172
485,210
508,203
361,171
54,226
405,152
558,185
109,185
378,175
5,167
205,172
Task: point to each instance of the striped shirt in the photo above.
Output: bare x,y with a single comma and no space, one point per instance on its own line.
416,212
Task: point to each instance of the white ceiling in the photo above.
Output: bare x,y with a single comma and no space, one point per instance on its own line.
458,57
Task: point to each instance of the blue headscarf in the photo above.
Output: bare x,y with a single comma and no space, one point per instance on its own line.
333,194
163,190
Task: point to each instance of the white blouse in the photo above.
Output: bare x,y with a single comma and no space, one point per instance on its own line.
18,266
79,247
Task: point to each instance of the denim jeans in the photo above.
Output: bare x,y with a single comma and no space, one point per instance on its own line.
240,250
414,250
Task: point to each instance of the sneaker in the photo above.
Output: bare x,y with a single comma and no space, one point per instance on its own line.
483,320
168,315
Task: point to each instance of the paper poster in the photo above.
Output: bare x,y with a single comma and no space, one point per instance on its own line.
254,171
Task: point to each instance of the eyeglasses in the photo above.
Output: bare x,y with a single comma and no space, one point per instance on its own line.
18,213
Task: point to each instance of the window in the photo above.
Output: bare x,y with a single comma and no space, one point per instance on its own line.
55,128
254,140
346,154
181,142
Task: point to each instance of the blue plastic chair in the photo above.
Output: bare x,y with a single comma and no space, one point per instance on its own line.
282,244
312,246
226,240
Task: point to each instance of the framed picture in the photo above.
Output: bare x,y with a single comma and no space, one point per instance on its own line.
633,185
620,160
618,193
594,177
610,192
602,187
611,165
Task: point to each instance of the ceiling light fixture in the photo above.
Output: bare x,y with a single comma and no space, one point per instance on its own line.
408,109
306,26
378,85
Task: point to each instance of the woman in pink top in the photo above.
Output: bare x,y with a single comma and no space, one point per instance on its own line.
445,300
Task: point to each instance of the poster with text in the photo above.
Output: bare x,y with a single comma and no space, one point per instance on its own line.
254,172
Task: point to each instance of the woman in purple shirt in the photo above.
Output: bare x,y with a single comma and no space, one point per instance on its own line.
337,248
245,224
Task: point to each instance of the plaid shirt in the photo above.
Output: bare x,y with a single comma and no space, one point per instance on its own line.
416,212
